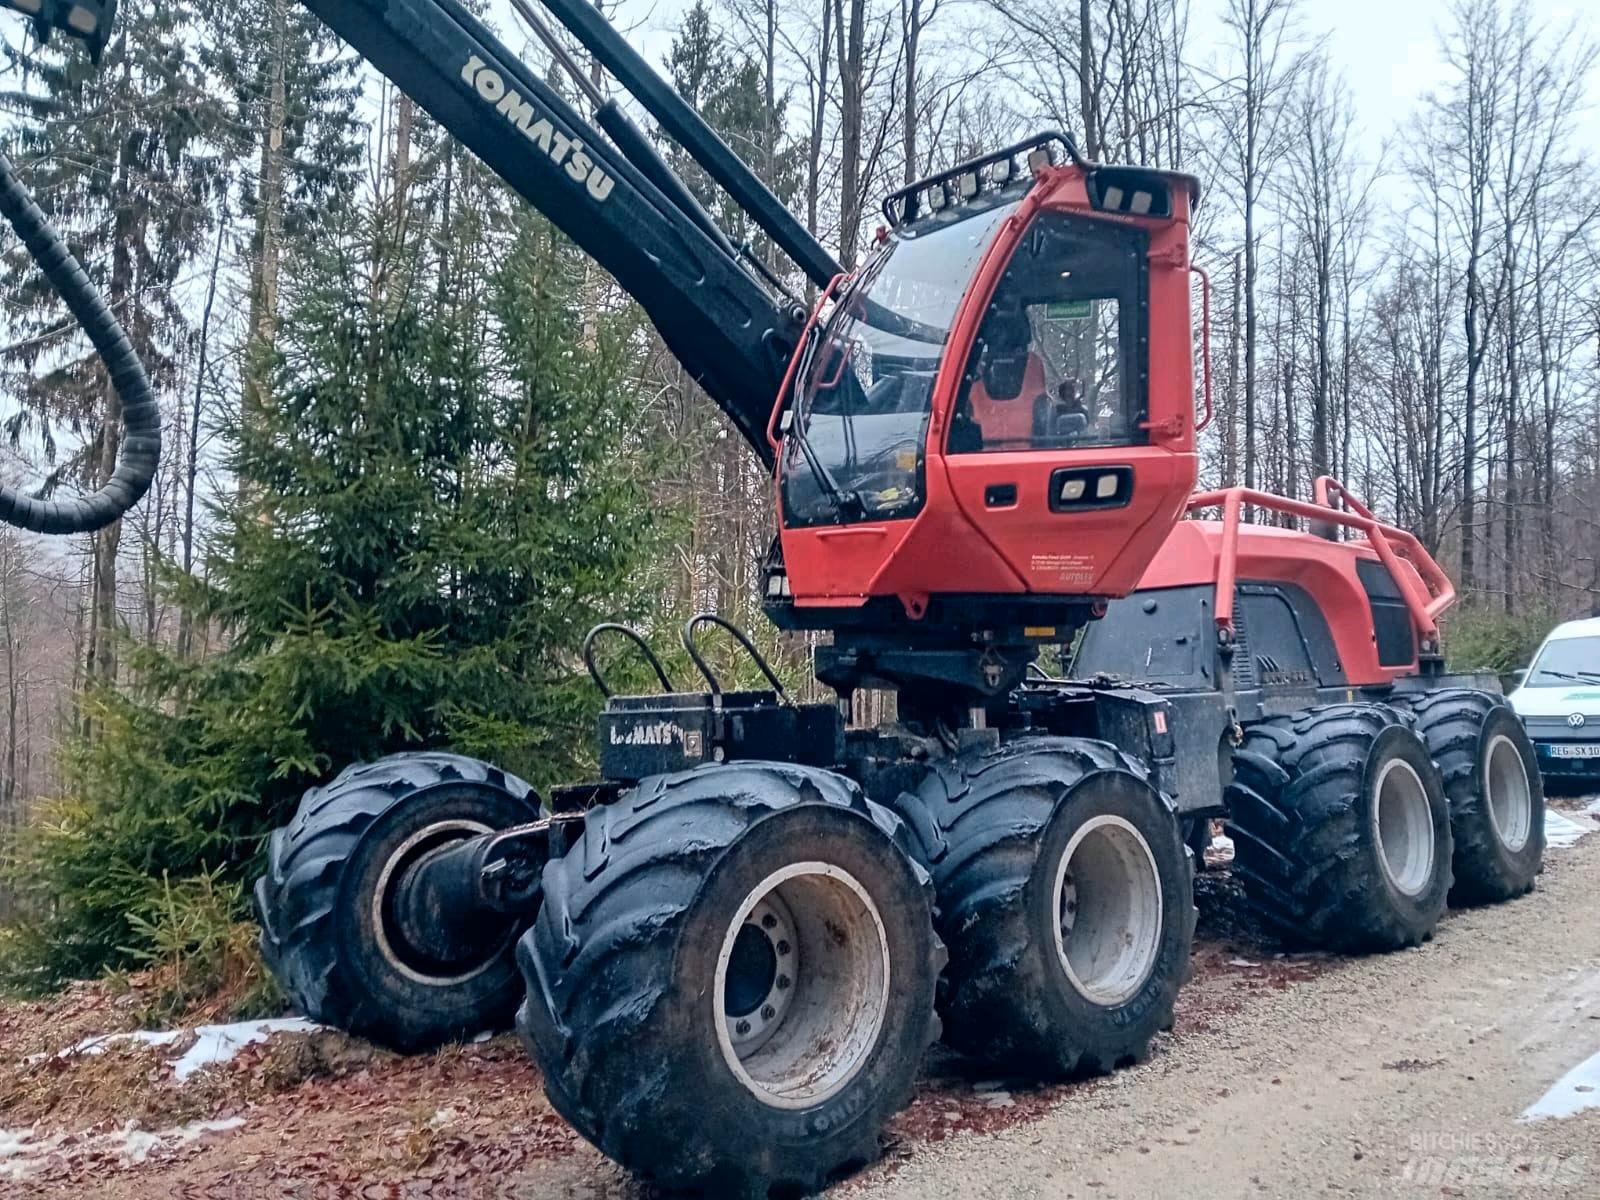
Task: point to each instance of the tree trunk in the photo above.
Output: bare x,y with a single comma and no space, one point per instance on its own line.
191,467
850,43
1087,90
263,319
911,19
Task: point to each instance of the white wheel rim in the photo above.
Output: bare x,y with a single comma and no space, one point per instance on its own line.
1402,822
1509,796
805,1028
1108,909
437,831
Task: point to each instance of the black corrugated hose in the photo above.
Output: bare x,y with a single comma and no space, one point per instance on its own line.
141,416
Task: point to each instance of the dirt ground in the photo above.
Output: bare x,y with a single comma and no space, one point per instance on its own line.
1286,1075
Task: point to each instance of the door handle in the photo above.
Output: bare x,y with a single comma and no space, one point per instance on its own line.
1000,495
849,531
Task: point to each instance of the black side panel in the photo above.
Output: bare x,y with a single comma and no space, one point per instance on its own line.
726,329
1288,636
1164,635
1275,644
1397,645
1167,635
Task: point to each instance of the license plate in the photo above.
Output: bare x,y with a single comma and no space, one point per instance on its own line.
1581,750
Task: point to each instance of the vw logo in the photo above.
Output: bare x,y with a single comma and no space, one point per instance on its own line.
1575,720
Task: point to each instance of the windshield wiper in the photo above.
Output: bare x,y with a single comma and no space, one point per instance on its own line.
841,503
1575,676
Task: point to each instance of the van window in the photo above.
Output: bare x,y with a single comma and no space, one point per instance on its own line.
1566,661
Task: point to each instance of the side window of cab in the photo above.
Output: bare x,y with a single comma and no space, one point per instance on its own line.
1057,361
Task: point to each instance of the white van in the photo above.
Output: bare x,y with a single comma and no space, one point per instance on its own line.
1558,700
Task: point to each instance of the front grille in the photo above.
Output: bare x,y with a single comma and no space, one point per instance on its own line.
1556,729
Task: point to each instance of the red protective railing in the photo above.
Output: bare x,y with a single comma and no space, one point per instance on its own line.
1335,505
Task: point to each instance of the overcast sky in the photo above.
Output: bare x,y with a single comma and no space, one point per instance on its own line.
1387,50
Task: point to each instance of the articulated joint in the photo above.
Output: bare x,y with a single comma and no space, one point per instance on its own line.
440,904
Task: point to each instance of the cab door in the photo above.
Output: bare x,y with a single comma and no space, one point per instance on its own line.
1045,441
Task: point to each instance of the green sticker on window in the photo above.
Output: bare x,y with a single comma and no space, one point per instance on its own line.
1069,310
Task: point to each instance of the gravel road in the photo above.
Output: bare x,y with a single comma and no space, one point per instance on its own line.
1402,1074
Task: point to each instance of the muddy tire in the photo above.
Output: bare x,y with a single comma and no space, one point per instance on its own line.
1491,779
327,928
730,984
1340,828
1066,897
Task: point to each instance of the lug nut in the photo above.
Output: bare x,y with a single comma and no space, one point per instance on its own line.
768,921
783,983
742,1028
768,1012
783,946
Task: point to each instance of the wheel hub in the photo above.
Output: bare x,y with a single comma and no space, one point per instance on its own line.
759,985
1069,904
1108,909
802,985
1403,821
414,942
1508,792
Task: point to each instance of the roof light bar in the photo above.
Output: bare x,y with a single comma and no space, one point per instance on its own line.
977,178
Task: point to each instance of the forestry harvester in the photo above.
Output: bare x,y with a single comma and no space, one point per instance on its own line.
729,952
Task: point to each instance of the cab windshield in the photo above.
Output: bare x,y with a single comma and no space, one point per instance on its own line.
865,392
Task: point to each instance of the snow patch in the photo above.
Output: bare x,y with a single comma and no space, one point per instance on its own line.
212,1043
21,1153
1575,1091
219,1043
1562,830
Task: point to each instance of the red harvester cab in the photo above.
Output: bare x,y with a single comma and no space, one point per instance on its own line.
996,419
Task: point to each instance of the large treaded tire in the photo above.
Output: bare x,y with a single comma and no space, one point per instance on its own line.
1465,729
321,933
622,1012
1302,818
992,828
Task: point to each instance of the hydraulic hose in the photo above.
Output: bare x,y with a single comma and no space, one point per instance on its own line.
141,416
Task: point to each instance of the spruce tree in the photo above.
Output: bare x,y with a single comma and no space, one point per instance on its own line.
725,86
445,492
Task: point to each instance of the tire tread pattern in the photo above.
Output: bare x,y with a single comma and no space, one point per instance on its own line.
600,958
978,820
1451,722
1293,815
297,897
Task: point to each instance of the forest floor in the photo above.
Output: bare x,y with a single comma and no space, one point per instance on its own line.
1402,1074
